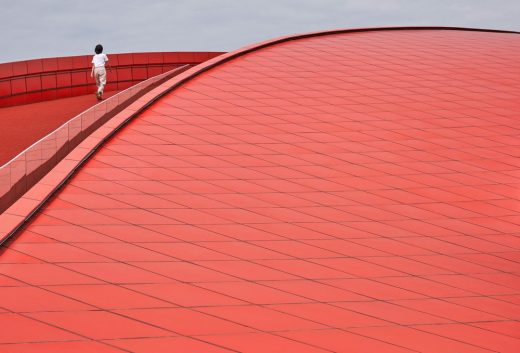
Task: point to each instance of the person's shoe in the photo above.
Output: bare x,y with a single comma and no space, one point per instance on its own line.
98,96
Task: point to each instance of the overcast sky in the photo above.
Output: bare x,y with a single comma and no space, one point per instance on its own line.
45,28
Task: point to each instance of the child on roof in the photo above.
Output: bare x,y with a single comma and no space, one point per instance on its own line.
98,70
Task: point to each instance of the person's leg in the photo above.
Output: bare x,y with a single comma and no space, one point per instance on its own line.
102,81
98,82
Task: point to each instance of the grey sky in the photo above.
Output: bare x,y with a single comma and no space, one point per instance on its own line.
44,28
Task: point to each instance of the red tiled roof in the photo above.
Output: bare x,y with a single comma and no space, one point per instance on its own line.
352,192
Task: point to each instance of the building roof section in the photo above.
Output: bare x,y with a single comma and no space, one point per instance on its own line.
345,192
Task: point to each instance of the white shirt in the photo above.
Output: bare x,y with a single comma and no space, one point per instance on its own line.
99,60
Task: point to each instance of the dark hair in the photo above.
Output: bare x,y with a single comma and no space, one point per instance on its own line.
98,49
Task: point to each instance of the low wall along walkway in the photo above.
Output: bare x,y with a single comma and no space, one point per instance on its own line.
39,80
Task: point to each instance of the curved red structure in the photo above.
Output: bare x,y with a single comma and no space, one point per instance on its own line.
274,203
22,172
38,80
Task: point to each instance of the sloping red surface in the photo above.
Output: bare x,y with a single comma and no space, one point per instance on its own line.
347,193
25,124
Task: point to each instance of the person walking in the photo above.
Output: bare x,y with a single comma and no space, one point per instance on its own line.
98,70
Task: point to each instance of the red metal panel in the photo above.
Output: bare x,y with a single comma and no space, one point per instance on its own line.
88,59
49,95
48,81
19,99
5,88
171,57
112,75
79,91
33,97
169,67
78,78
124,74
19,68
65,63
63,80
91,88
81,62
18,86
50,64
6,70
140,58
212,55
125,59
111,86
155,58
154,71
200,57
139,73
186,57
90,80
63,92
113,59
34,66
33,84
6,102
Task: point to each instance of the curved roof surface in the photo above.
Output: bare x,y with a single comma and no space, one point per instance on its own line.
352,192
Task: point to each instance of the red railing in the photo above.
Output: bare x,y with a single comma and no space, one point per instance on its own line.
38,80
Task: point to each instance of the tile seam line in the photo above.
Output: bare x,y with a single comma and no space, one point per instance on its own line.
176,82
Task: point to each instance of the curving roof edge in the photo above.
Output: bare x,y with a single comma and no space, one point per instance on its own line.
209,64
